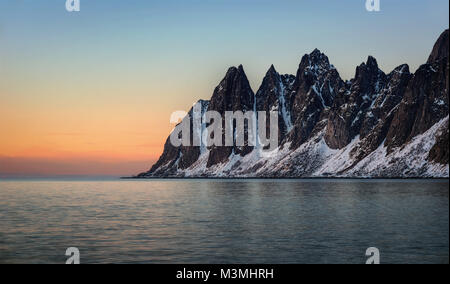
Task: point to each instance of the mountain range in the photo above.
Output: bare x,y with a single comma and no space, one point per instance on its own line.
375,125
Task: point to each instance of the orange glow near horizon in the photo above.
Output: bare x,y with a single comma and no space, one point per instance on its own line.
96,138
87,124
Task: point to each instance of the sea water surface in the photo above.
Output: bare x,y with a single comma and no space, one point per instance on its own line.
224,221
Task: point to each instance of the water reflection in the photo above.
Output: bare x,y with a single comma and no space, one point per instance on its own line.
217,221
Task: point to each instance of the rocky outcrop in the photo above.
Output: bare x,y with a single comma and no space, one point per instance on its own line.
314,91
440,49
274,94
352,107
378,117
426,98
440,151
233,94
375,125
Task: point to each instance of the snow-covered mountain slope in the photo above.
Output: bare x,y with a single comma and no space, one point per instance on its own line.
375,125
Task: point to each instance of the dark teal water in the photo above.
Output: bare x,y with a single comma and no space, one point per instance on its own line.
216,221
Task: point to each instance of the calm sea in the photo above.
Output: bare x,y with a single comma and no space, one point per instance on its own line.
218,221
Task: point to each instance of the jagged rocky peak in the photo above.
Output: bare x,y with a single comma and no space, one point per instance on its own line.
313,92
440,49
425,102
368,77
273,96
273,89
376,124
391,95
316,74
379,115
314,71
372,62
316,57
274,77
271,71
270,82
314,64
352,107
233,93
398,73
368,67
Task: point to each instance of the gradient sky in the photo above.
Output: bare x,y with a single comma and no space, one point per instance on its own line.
91,93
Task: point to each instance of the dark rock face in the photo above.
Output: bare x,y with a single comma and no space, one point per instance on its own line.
352,105
233,94
386,100
273,96
440,151
440,49
378,117
313,91
426,98
319,114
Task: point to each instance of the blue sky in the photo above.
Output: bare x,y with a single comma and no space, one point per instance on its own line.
199,35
